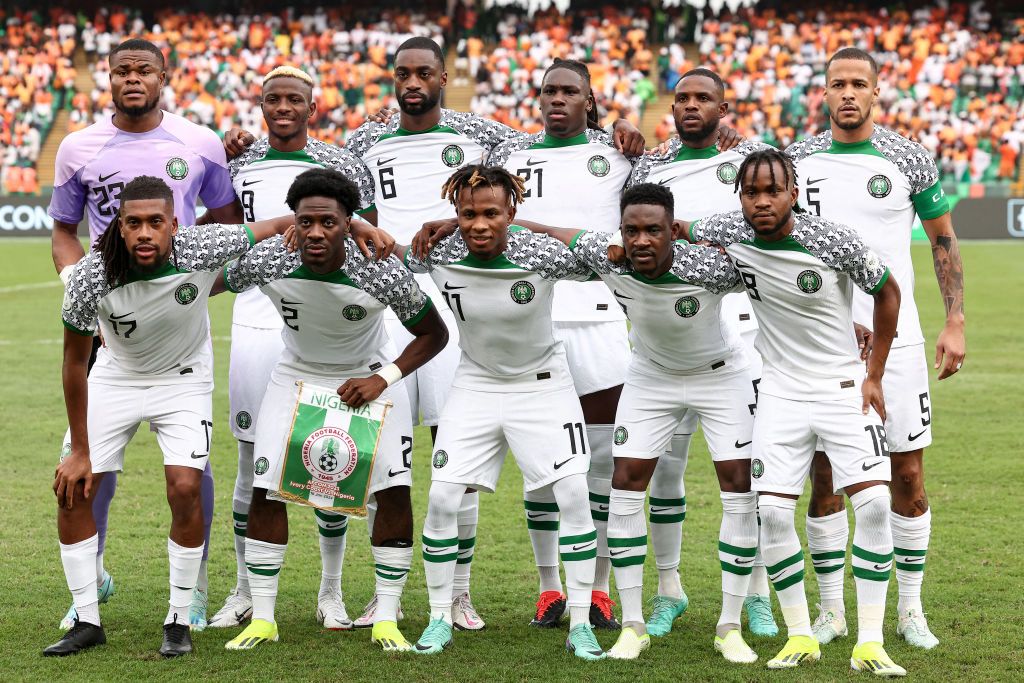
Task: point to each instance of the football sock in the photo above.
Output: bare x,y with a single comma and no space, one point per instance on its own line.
667,511
240,501
100,510
872,559
332,550
391,564
599,482
441,546
759,575
827,538
910,536
263,561
469,514
184,572
627,542
542,523
737,546
206,496
781,549
577,545
203,578
79,560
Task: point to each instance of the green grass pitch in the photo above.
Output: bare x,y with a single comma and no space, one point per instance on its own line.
972,590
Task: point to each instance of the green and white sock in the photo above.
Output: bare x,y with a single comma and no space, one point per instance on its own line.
872,559
263,561
667,506
599,484
910,537
468,517
737,546
333,530
827,538
781,549
184,572
577,545
441,546
240,500
627,544
391,565
542,525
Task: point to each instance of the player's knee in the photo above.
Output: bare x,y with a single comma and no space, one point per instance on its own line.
907,473
183,491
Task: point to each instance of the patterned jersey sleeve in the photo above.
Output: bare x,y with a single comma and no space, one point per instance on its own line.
486,132
808,146
592,248
449,250
918,166
546,256
842,249
256,150
650,161
347,163
365,135
86,286
208,247
267,261
390,283
721,228
704,266
500,154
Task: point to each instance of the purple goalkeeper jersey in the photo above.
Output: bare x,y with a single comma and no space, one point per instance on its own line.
94,164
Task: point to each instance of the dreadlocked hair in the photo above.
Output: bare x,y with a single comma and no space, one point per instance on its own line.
769,156
111,245
478,175
579,68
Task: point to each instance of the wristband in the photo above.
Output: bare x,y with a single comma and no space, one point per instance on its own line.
65,274
616,239
390,373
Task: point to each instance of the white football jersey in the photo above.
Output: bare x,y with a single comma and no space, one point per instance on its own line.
703,182
571,183
675,321
261,177
877,187
801,288
155,326
503,309
333,322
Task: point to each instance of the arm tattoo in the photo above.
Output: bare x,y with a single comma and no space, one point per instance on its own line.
949,270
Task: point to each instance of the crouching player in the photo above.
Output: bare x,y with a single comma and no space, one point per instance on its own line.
145,285
800,272
332,299
512,390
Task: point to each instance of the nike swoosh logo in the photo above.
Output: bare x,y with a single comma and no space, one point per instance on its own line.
737,444
435,551
913,559
197,456
655,511
535,515
772,578
105,178
559,464
247,183
817,180
381,162
664,182
120,317
914,437
334,525
880,567
531,162
864,466
448,287
620,295
585,545
614,553
602,508
392,473
737,560
285,302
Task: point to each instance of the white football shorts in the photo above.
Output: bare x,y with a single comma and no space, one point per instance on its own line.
254,353
598,353
428,387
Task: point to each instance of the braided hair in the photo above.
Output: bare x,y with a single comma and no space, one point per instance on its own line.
111,245
478,175
769,156
579,68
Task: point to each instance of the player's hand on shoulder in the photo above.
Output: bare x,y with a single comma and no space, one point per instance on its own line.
358,392
383,115
865,338
290,239
628,138
663,148
237,141
430,234
365,234
871,390
728,138
76,467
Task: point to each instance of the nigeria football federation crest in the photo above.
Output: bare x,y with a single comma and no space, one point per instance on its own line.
756,468
329,454
243,419
879,186
261,466
440,459
808,281
620,436
186,293
177,168
727,172
353,312
453,156
523,292
599,166
687,306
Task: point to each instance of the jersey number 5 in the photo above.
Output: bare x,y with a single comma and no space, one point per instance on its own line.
812,200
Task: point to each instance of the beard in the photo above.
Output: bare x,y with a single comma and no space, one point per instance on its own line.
779,224
850,125
136,112
429,102
702,134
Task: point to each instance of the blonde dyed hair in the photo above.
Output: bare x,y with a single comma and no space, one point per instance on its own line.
478,175
289,72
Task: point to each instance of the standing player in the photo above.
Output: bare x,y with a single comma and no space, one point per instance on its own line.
93,165
512,390
308,290
672,293
574,176
878,181
800,273
702,180
145,286
261,177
